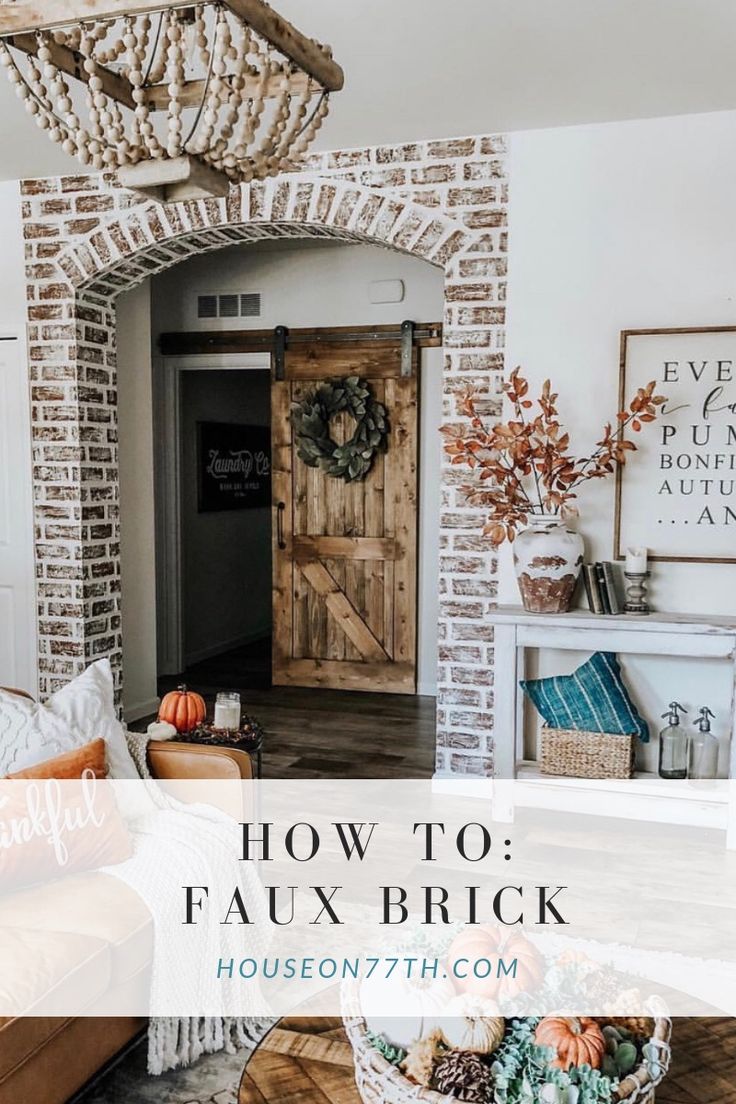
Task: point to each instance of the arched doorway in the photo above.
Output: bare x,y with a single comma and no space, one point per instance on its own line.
208,596
73,299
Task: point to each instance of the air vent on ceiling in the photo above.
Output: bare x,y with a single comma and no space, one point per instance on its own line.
229,306
207,306
250,305
246,305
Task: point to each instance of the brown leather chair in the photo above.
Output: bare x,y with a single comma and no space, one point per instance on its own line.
173,759
46,1060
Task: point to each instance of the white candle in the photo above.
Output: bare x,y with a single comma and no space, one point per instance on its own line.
636,561
226,715
227,711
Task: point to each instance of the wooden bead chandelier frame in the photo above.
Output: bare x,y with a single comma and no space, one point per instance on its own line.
182,99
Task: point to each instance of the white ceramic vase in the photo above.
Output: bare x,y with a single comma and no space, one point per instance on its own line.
548,557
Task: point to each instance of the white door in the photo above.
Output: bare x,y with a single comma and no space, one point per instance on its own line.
18,660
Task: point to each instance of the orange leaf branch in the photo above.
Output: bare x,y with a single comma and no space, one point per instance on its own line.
524,465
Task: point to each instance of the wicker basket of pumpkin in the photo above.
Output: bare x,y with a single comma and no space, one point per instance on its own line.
455,1046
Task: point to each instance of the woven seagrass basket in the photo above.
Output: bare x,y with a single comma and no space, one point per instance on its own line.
379,1082
577,754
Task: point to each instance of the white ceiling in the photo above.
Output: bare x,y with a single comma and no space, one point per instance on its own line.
438,68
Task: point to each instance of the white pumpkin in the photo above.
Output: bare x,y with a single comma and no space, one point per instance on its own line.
472,1023
420,1006
555,1094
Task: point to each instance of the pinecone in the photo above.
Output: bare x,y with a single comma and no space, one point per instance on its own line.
465,1076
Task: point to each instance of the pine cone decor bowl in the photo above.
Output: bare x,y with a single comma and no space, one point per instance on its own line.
464,1076
460,1072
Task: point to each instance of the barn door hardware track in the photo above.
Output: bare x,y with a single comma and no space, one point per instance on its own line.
197,343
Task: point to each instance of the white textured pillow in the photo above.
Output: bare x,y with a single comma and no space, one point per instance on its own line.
81,711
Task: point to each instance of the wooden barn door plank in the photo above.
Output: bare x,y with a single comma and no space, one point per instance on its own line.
401,496
347,618
282,517
346,580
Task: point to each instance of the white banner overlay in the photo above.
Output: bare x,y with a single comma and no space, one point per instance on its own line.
216,898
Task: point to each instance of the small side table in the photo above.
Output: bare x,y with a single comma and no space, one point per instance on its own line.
251,743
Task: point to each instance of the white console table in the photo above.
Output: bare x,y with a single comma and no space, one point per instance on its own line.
647,797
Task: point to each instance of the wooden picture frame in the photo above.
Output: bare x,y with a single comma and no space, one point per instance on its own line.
691,418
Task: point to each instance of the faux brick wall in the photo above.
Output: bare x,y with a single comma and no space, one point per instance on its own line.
87,240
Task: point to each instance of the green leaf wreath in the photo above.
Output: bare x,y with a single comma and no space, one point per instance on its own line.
311,421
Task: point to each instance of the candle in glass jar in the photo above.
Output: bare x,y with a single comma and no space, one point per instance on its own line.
227,711
636,561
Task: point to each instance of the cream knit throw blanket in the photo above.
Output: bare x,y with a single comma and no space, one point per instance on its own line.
170,842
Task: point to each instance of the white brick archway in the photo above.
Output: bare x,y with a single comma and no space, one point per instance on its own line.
87,241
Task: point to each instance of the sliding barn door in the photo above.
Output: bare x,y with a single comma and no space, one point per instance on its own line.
345,553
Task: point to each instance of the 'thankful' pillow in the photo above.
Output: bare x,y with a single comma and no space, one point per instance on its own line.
51,826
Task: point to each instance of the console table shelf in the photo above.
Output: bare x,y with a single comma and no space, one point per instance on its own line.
646,797
657,622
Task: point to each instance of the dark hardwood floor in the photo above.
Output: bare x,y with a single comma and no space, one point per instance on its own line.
703,1069
320,733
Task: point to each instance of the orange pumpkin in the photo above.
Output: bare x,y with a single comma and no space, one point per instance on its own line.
529,966
183,709
471,944
577,1040
485,941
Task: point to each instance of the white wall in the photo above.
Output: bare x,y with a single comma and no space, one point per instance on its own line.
12,267
306,283
326,284
137,536
614,227
18,656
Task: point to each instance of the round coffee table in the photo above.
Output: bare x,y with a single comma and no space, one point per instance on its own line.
308,1060
302,1060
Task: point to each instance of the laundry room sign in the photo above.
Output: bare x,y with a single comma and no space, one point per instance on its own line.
233,465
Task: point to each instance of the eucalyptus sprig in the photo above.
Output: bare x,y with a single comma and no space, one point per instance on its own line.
393,1054
524,1074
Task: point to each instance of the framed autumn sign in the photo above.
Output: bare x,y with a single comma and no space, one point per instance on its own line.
678,497
233,466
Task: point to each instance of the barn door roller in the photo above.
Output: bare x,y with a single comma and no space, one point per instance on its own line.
280,341
407,348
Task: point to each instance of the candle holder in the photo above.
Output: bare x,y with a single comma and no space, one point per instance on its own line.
636,593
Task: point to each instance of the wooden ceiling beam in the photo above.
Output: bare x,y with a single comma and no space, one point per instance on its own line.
192,92
305,53
28,16
119,88
169,180
71,62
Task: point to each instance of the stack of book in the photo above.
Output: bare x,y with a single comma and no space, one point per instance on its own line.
600,588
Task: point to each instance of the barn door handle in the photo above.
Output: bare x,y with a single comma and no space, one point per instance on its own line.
280,508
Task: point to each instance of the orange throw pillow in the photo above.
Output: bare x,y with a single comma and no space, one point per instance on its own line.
71,764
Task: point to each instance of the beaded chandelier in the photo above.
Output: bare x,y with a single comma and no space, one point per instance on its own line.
182,99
